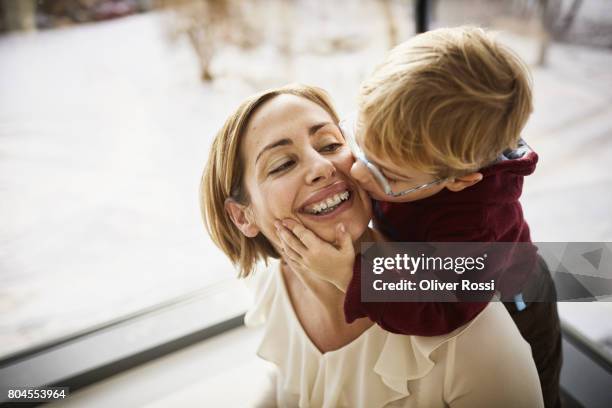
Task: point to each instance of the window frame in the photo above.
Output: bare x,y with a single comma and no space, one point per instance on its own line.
91,355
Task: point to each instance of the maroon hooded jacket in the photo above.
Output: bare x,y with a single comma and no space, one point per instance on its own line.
488,211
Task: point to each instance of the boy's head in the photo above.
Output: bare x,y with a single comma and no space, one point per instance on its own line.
440,107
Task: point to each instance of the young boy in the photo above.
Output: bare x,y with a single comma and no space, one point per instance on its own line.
437,146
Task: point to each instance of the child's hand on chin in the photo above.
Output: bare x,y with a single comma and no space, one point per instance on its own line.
307,253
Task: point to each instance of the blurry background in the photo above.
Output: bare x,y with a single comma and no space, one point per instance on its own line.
108,108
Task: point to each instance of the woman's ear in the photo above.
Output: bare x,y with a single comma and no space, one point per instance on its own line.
462,182
242,217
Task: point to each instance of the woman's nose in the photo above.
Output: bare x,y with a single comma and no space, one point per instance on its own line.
320,169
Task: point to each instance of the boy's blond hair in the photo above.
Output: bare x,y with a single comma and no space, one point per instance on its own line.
223,176
446,102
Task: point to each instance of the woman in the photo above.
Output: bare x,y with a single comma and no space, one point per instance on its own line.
278,156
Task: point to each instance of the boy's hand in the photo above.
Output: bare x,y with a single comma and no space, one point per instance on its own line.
307,253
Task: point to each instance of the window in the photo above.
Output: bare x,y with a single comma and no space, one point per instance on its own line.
105,129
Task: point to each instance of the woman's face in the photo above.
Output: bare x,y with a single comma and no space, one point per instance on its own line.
297,166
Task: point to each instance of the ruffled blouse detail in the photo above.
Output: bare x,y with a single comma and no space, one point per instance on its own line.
374,369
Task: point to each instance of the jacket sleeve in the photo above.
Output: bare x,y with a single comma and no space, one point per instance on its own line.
410,318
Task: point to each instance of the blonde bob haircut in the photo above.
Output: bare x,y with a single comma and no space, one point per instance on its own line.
223,179
446,102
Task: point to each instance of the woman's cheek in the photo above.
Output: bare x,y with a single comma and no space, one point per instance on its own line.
279,203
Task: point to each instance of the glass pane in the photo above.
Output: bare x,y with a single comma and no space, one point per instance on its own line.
105,127
104,132
592,321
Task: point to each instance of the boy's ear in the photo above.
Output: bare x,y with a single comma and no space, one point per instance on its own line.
242,217
462,182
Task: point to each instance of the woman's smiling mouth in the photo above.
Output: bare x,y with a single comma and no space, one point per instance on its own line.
328,201
329,204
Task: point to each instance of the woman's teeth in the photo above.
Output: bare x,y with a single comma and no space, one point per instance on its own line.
329,204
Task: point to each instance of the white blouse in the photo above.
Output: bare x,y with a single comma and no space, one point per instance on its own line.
485,363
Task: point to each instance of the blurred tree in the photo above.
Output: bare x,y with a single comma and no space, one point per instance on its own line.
554,24
19,15
210,23
392,32
556,19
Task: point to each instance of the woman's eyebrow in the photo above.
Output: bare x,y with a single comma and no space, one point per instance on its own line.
316,127
282,142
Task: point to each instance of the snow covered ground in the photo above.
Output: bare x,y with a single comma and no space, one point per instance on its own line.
105,128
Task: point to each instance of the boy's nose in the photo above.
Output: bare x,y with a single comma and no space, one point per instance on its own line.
360,172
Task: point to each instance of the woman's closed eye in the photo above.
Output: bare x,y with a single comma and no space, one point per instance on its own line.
282,167
332,147
286,165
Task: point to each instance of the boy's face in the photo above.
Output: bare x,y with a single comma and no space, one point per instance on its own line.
400,178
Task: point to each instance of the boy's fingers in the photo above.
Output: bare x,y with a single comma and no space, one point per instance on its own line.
297,267
293,265
339,234
343,238
290,241
290,253
308,238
